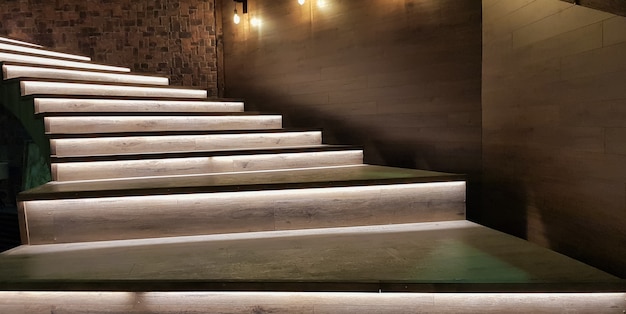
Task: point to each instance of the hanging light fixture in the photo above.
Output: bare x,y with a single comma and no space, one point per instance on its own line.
300,2
236,17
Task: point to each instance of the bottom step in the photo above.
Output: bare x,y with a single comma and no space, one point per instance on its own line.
424,257
308,302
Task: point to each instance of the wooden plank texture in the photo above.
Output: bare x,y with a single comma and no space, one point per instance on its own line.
553,128
361,69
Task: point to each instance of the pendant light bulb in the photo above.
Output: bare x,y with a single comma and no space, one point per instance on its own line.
301,2
236,17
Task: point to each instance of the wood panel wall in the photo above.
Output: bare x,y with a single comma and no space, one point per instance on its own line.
554,127
171,37
401,77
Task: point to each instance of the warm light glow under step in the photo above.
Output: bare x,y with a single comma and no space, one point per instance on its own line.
66,147
12,57
48,105
115,124
135,217
60,88
201,165
15,71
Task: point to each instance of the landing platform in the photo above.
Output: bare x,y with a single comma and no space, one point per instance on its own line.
454,256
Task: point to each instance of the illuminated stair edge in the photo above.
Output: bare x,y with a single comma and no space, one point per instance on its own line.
44,105
177,143
198,165
132,217
17,71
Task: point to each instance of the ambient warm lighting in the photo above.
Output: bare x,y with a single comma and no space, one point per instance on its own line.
59,88
255,21
10,57
13,71
97,170
65,147
21,49
113,124
322,3
300,2
236,18
43,105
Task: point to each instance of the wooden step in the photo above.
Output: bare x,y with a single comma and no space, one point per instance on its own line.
78,211
452,256
204,162
168,143
120,124
32,87
76,105
9,56
19,42
11,71
20,48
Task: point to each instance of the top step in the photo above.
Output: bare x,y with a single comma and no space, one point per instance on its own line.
10,56
18,42
40,52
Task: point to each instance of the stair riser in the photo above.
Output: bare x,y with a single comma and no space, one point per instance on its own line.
45,105
10,57
14,71
87,125
189,166
163,144
56,88
78,220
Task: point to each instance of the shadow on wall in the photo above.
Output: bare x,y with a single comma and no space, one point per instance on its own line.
380,148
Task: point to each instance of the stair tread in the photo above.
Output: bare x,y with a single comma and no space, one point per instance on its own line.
181,133
19,42
40,51
156,114
96,83
207,153
72,73
61,87
428,257
12,56
243,181
56,105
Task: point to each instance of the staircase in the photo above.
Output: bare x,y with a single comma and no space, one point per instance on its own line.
158,188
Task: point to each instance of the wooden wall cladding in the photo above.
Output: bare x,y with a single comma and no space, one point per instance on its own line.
401,78
554,121
173,38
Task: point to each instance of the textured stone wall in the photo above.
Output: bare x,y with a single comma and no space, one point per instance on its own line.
169,37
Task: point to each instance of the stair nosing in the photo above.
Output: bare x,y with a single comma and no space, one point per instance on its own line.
152,113
126,69
96,83
119,191
139,98
69,68
176,133
207,153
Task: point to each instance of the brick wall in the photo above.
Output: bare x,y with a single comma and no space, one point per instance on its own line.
554,127
169,37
